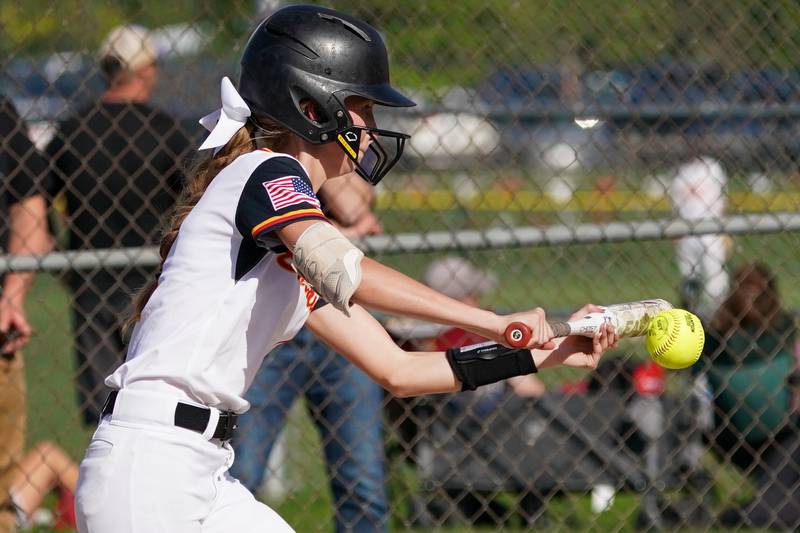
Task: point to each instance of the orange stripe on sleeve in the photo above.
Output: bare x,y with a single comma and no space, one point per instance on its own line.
285,217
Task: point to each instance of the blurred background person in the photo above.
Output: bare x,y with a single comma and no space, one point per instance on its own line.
458,278
23,231
697,193
749,364
118,163
462,280
44,468
343,402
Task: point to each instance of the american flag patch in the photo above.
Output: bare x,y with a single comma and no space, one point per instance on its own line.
289,191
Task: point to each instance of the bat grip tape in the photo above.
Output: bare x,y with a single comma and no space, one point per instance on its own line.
560,329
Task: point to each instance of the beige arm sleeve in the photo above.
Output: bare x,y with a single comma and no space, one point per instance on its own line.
330,263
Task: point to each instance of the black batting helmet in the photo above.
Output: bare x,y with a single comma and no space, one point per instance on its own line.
306,52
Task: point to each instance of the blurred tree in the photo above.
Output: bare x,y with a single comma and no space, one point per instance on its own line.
41,27
439,43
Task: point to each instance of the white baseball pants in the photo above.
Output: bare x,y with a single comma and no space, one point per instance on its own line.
141,474
704,258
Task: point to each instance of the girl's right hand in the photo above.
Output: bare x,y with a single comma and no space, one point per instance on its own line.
578,352
541,332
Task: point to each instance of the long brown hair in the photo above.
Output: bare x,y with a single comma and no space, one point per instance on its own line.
199,177
752,301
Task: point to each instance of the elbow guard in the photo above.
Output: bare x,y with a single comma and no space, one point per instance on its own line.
329,263
485,363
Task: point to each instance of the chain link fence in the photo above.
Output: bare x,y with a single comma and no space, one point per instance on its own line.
561,152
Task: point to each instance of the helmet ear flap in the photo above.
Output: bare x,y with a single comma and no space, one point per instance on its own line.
320,123
312,111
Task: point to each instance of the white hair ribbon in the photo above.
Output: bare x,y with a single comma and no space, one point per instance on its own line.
226,121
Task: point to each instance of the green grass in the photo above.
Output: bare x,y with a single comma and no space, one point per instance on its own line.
555,278
52,405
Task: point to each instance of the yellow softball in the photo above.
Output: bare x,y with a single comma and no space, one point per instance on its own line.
675,339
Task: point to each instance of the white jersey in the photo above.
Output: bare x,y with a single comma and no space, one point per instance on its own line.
227,294
698,190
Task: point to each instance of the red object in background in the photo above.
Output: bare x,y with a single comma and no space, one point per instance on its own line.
65,511
456,338
575,387
649,379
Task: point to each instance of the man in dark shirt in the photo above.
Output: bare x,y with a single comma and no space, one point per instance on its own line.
23,230
118,164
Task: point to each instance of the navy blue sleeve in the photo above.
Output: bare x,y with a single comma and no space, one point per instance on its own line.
277,193
321,302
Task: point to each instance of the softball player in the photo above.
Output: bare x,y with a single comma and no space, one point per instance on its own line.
229,291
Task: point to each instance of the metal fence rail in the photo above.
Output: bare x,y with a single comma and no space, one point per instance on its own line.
450,241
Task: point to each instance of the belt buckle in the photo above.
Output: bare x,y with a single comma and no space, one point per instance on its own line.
230,424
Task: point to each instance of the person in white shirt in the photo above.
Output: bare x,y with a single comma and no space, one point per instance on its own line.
248,260
697,193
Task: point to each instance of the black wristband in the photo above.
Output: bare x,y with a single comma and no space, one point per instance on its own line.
485,363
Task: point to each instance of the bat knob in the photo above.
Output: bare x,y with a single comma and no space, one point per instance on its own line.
518,335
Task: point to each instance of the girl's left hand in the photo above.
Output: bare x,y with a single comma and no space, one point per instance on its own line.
536,320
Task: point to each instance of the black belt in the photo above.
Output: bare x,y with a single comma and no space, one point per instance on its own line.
191,417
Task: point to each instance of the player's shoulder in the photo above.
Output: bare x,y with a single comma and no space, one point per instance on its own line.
266,165
280,165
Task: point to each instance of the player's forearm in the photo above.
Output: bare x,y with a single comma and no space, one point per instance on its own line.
385,289
430,372
422,373
371,349
380,288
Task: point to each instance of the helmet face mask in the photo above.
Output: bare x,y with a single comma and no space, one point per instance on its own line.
306,52
378,158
